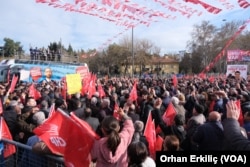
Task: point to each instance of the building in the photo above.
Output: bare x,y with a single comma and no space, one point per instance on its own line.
157,65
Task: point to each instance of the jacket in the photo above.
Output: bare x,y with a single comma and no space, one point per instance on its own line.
103,155
234,136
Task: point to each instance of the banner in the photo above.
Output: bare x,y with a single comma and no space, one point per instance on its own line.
35,73
231,69
74,83
238,55
83,71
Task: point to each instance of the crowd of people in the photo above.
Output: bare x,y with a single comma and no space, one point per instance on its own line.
211,116
44,54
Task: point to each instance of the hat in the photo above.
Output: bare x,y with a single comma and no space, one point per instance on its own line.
13,103
139,125
39,117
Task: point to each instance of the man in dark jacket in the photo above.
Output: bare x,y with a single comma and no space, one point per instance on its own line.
209,136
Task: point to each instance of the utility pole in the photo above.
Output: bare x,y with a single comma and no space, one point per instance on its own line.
133,55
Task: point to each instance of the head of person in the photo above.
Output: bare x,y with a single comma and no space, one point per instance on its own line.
137,153
179,120
198,109
110,127
171,143
214,116
87,112
31,102
48,72
237,74
39,118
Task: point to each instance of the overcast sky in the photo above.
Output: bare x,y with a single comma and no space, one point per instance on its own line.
37,24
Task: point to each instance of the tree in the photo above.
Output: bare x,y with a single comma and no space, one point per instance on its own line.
186,64
208,41
70,50
11,47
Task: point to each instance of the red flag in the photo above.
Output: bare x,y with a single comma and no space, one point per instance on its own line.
86,82
85,127
9,149
68,136
92,89
211,106
116,114
35,73
211,79
133,94
77,152
13,83
158,143
33,92
52,110
64,91
168,116
241,119
175,81
55,131
202,75
101,91
150,135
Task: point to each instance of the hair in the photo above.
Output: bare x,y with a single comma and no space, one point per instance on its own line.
111,126
137,153
171,143
87,112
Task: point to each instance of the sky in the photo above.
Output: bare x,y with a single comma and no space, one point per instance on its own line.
37,24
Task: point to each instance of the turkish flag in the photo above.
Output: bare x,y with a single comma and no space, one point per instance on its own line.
92,89
86,82
116,114
13,83
9,149
101,91
150,135
133,94
33,92
158,143
35,73
168,116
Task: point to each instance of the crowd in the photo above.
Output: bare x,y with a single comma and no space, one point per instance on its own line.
209,115
44,54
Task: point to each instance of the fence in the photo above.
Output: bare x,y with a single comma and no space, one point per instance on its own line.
24,157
